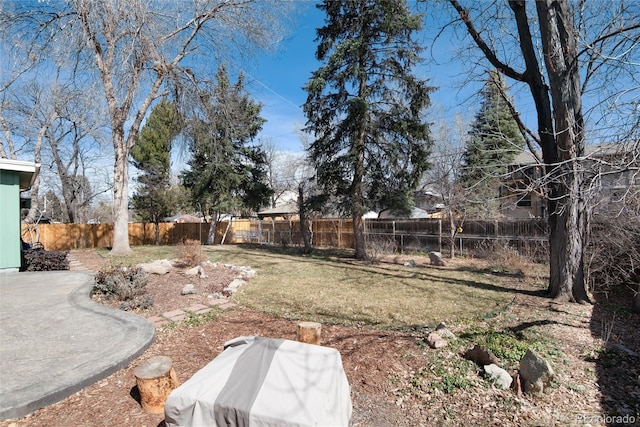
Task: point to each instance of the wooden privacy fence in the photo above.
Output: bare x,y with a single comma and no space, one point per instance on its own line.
400,235
85,236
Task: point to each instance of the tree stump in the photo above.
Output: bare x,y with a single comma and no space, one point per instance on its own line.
156,379
309,332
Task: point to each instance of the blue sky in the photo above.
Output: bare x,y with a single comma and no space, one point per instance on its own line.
277,80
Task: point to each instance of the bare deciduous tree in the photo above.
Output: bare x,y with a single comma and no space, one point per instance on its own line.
573,51
443,177
140,51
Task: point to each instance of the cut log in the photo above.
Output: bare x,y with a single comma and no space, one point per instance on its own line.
309,332
156,379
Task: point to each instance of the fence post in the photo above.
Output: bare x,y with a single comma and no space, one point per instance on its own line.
440,235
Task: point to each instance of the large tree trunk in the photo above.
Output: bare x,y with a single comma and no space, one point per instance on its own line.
304,228
120,197
452,236
357,208
568,220
156,224
34,210
213,227
358,174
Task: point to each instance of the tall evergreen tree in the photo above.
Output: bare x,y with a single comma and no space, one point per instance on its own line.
227,173
365,108
152,199
495,141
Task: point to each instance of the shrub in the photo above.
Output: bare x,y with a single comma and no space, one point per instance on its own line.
37,259
141,303
121,284
189,253
613,257
378,248
502,256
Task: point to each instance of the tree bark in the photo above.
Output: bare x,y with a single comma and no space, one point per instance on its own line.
213,227
309,332
304,228
120,198
358,223
452,236
34,210
155,379
570,213
358,173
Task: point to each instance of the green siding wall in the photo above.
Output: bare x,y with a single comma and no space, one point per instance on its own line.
9,219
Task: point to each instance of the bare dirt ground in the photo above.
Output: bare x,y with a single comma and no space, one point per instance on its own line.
382,366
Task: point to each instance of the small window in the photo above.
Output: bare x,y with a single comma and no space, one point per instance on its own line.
525,200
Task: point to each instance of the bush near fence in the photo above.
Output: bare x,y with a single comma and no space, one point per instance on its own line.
419,235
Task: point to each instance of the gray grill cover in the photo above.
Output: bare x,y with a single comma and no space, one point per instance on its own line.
260,381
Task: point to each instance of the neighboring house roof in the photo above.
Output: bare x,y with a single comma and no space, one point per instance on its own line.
415,213
527,158
27,171
183,218
285,209
429,191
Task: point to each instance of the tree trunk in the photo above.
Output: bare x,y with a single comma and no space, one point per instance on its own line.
156,224
213,227
120,197
156,379
358,223
358,175
452,236
568,220
309,332
34,210
304,228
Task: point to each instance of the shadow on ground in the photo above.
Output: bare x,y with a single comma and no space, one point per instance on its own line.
618,360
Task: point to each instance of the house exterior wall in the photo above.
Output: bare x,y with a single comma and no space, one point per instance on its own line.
9,221
603,167
516,198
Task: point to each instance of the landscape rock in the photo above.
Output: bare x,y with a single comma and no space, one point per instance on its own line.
501,378
196,271
161,266
436,341
536,373
236,283
244,270
436,258
410,263
622,349
188,289
481,356
444,332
